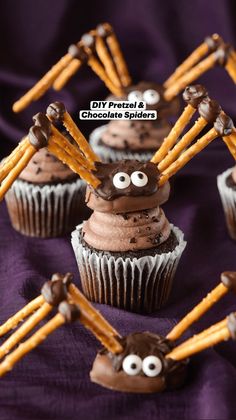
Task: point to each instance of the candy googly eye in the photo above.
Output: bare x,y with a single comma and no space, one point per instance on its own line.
139,179
136,95
152,366
151,97
121,180
132,364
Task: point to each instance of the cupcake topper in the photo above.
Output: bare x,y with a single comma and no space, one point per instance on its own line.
169,159
139,362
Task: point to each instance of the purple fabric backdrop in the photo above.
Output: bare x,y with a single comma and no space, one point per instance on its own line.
53,381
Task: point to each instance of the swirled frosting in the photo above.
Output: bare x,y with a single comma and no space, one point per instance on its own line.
135,135
45,168
132,231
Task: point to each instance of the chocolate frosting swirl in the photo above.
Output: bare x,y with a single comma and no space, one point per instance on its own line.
194,94
127,232
40,132
69,311
223,124
209,109
56,111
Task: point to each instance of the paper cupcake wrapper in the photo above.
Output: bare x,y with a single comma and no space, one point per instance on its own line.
138,285
228,198
45,211
111,155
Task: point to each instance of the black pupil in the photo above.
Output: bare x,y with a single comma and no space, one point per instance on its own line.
133,366
122,178
151,366
140,175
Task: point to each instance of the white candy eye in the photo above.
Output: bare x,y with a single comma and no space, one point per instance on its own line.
121,180
152,366
151,96
132,364
136,95
139,179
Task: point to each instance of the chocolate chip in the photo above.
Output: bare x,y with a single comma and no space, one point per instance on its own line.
125,216
132,241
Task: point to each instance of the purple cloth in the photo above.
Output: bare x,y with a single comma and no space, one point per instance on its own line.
53,381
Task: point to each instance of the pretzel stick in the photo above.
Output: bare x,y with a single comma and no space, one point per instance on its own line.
74,131
25,328
66,74
182,144
209,340
230,142
173,135
72,163
192,59
204,333
21,315
231,67
31,343
43,85
198,311
188,155
69,148
118,57
22,163
106,60
9,163
189,77
100,72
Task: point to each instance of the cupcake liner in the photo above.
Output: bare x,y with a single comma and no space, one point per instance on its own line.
109,155
45,211
138,285
228,198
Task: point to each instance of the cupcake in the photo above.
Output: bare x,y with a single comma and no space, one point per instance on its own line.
226,183
127,251
47,198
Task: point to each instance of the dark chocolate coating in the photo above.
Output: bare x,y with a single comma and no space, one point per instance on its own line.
223,124
106,171
213,42
69,311
55,291
77,51
40,132
194,94
104,30
209,109
88,40
228,278
231,324
55,111
222,54
107,369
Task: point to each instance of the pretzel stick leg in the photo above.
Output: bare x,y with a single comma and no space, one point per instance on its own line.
230,142
21,315
9,163
190,61
189,77
198,311
22,163
106,60
182,144
173,135
231,67
73,164
209,340
66,74
99,70
74,131
24,329
188,155
31,343
119,60
43,85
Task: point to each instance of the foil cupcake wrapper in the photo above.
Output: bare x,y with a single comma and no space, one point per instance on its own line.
45,211
228,199
139,285
111,155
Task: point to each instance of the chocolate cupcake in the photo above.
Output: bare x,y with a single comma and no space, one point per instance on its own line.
127,252
45,201
226,183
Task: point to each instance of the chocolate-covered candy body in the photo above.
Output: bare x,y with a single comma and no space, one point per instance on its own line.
108,369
